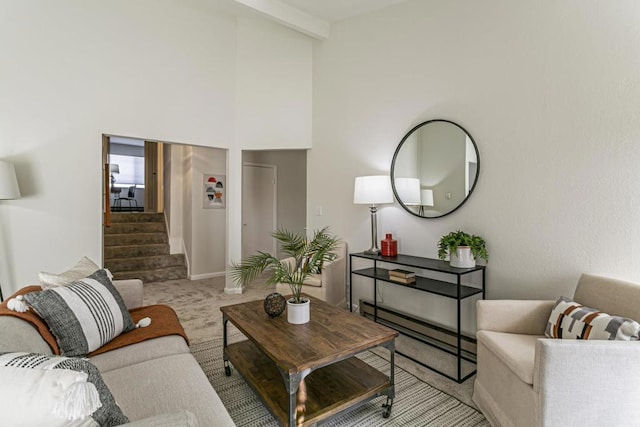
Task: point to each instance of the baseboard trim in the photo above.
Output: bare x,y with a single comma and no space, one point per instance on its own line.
206,275
237,290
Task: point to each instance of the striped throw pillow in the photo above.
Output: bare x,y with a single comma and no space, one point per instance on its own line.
84,315
570,320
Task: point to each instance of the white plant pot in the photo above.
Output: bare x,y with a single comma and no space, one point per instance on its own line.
298,314
462,258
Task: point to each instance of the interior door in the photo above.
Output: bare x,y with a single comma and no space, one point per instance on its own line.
258,208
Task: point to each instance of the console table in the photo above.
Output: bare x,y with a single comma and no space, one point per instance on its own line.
454,290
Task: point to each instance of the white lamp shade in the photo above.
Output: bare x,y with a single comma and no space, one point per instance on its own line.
408,190
8,182
114,168
373,190
426,197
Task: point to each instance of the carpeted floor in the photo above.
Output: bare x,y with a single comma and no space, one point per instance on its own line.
198,305
416,404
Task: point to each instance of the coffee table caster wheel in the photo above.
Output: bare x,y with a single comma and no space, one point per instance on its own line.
227,371
387,408
387,411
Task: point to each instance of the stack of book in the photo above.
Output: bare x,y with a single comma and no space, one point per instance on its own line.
402,276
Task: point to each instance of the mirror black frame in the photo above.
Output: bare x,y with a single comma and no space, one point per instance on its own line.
393,164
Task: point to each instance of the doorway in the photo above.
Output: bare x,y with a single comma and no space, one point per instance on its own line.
259,214
134,182
289,176
176,221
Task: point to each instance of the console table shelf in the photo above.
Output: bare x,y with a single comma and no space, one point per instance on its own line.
438,287
453,290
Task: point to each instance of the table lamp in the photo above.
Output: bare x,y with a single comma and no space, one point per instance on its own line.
373,190
426,199
113,168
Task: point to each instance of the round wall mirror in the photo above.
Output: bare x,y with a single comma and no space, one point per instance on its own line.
435,168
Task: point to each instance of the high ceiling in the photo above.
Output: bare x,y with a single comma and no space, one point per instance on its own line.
337,10
313,17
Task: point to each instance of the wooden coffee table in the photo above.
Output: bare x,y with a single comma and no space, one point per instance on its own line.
310,365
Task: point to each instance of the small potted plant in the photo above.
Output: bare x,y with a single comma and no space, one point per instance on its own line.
463,249
306,256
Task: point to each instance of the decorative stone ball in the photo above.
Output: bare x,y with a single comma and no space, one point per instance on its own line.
274,304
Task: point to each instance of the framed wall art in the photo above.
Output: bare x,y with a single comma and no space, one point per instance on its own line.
213,191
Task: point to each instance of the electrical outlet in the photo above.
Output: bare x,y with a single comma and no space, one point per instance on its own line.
319,211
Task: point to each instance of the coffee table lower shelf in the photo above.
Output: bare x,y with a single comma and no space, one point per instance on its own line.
330,389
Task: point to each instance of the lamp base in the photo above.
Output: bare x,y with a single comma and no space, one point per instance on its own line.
373,250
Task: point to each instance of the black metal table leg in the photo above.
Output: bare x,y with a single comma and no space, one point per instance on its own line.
391,393
227,367
292,382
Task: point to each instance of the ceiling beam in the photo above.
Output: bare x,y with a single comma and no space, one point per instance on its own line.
290,17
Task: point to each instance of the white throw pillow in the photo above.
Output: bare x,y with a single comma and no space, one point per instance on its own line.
83,268
36,397
87,394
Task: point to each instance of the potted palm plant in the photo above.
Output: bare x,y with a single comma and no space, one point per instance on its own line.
463,249
306,256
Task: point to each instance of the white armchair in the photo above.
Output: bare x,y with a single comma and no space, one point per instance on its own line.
525,379
330,284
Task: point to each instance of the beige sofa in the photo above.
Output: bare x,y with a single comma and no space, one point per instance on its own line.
155,382
330,284
525,379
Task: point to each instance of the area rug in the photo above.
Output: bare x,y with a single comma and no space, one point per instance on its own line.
417,404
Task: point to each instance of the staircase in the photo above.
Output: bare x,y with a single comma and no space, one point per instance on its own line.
136,246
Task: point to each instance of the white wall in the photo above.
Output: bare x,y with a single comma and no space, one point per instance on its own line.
274,90
174,195
207,246
548,90
167,170
188,229
150,69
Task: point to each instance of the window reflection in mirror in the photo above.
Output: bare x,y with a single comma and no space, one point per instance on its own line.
434,168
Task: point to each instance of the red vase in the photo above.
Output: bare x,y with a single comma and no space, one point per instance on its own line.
388,246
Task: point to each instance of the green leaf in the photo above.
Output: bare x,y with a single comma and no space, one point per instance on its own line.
309,255
450,242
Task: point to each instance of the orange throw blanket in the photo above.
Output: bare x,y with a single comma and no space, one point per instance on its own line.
164,322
